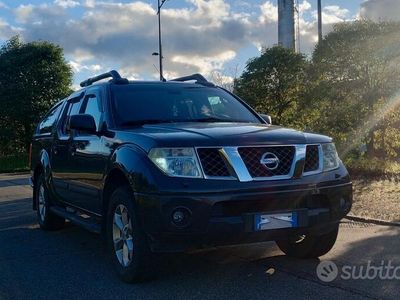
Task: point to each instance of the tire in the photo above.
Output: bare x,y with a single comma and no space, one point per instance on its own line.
309,246
127,241
46,219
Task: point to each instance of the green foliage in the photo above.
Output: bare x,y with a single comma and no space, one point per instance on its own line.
14,163
33,76
348,90
274,83
356,77
367,167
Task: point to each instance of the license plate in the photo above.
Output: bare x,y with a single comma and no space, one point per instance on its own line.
276,221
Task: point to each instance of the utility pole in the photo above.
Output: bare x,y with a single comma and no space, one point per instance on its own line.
286,31
160,54
297,25
319,21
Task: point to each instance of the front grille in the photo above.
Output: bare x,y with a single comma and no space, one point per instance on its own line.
212,162
312,158
252,156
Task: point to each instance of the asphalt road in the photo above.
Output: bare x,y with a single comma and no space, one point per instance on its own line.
73,264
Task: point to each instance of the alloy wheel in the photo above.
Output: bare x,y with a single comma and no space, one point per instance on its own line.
122,235
42,203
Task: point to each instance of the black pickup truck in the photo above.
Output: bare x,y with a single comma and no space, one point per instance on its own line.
176,165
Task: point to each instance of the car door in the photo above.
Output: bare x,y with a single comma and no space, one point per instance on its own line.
60,166
88,157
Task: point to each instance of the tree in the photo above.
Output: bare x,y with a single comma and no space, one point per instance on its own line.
356,77
33,76
275,83
225,79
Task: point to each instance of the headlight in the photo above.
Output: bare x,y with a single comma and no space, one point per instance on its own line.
179,162
331,158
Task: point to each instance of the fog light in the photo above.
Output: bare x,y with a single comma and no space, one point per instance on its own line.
178,216
181,216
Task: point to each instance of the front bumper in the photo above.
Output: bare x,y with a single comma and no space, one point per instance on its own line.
228,218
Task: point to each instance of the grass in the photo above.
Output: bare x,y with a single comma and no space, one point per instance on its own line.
14,163
377,198
372,167
376,184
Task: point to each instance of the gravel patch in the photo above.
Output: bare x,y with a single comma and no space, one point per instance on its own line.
378,199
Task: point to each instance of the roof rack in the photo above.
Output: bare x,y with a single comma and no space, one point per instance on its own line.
200,79
116,78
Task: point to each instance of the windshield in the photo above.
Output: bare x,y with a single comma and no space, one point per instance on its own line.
149,104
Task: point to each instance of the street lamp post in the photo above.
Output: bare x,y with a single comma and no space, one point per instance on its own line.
160,55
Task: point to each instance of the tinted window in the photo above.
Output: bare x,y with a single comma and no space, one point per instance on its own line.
177,103
91,107
73,109
50,120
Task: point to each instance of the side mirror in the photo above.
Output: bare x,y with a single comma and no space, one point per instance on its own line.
266,118
84,123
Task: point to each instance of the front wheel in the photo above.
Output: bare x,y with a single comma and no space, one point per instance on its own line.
309,245
127,241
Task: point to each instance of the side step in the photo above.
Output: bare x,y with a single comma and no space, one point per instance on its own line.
87,223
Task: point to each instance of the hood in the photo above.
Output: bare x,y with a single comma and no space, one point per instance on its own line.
215,134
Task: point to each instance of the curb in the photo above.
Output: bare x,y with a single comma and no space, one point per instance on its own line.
15,173
372,221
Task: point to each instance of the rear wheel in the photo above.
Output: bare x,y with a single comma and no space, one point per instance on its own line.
46,219
309,246
127,241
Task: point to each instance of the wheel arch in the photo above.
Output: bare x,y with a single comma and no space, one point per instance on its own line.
115,178
127,166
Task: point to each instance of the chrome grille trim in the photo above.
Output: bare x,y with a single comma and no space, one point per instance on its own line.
235,161
252,158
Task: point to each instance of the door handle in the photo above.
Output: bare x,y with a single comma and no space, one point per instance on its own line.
73,149
76,146
55,149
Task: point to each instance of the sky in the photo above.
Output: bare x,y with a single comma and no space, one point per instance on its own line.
212,37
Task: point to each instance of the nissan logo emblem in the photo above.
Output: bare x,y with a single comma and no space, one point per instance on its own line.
270,161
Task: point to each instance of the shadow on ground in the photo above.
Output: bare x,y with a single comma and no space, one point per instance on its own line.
13,182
